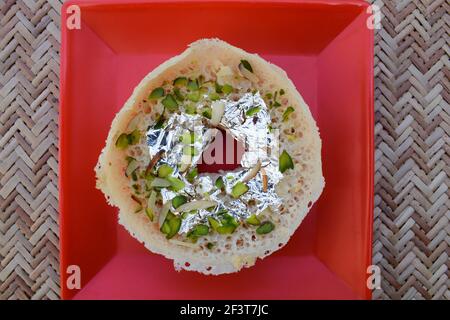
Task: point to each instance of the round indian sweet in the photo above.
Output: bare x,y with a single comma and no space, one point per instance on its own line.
212,222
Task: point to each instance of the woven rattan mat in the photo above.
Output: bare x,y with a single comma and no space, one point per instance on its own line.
411,226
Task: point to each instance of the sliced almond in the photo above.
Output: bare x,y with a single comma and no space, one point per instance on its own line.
218,109
253,172
196,205
164,211
184,244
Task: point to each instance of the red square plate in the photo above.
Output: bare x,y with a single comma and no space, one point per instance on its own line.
326,49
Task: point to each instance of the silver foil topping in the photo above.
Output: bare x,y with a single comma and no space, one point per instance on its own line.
260,146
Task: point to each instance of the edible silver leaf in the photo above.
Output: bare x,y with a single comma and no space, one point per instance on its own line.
260,146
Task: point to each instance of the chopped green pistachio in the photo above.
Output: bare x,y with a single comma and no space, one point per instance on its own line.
129,159
149,213
132,165
175,183
229,220
265,227
201,79
122,141
193,238
188,137
134,176
226,229
286,113
275,103
194,96
192,85
165,228
285,162
210,245
190,109
282,92
171,225
253,220
125,140
170,103
214,223
207,112
134,137
180,81
219,183
190,151
192,174
200,230
178,201
228,225
164,170
222,211
227,89
160,183
174,224
138,209
214,96
268,95
252,111
246,65
149,179
178,95
156,93
187,213
160,123
239,189
203,90
218,88
184,215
